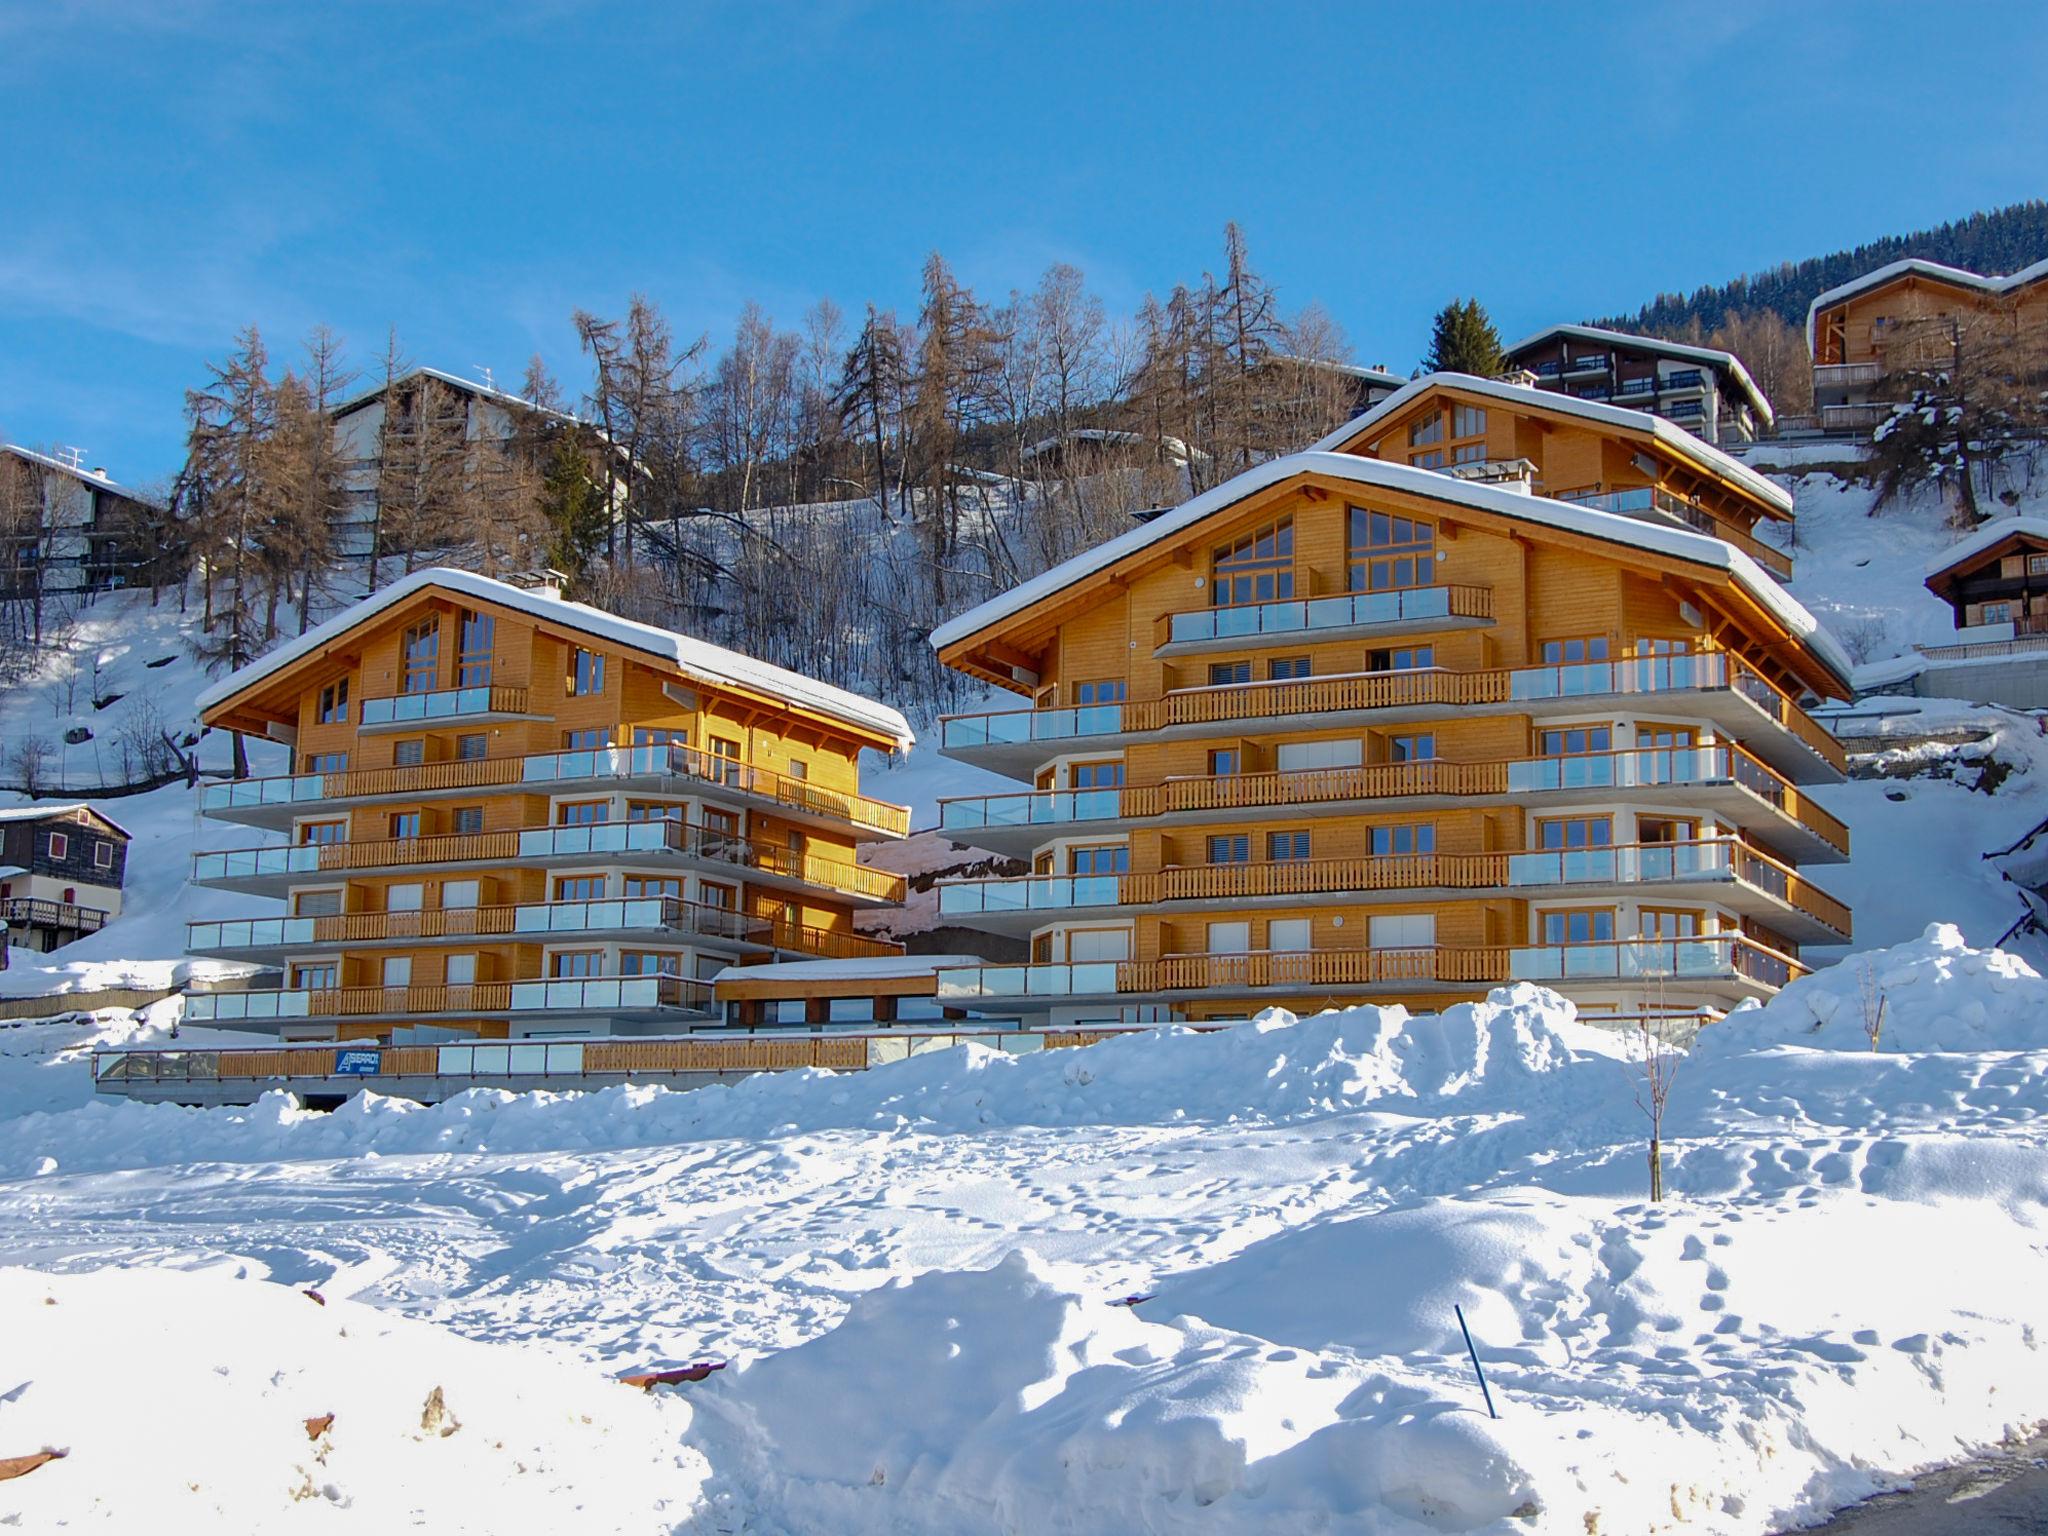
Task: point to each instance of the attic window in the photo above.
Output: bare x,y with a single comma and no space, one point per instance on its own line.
60,845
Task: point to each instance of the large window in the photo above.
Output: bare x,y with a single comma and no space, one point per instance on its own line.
316,832
1099,775
1575,741
1576,832
577,962
1582,925
586,671
1106,859
579,887
334,702
1235,848
1577,649
1225,674
1287,668
1389,552
1258,568
1401,658
1428,429
1406,837
422,657
473,658
582,813
1109,691
1285,847
1411,749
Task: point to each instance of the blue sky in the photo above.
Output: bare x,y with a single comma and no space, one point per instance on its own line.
469,174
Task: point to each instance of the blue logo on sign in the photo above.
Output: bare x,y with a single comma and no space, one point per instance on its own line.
357,1063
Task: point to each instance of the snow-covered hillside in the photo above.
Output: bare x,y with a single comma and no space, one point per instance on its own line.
916,1271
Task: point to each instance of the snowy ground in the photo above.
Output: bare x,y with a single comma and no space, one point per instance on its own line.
915,1266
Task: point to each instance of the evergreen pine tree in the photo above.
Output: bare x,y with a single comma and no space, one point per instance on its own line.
573,501
1463,340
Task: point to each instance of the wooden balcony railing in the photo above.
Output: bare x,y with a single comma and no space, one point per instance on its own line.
1292,877
33,912
1320,968
1308,786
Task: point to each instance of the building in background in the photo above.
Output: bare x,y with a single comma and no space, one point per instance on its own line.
61,871
1703,389
1347,731
66,530
1996,582
1903,317
512,815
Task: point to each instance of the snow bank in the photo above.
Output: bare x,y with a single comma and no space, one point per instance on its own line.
183,1402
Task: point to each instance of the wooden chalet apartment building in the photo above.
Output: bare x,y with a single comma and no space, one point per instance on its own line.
510,815
1491,685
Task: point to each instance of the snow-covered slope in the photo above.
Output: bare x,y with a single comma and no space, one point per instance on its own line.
915,1266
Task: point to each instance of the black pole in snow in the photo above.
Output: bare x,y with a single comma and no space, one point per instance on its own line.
1477,1369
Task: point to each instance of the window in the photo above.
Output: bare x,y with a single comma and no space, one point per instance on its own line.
1282,668
1564,653
1404,658
473,649
668,885
1104,775
1225,674
1290,936
721,823
408,897
1575,832
659,736
405,823
460,895
1229,938
580,741
1426,429
724,897
799,769
650,962
1224,761
314,978
1664,736
1434,459
1403,838
461,971
1574,741
473,748
1663,647
60,845
579,887
466,819
582,813
316,903
421,657
326,762
409,753
1110,691
1997,613
1104,860
586,671
398,970
1230,848
1468,421
576,963
1294,756
1669,923
1402,930
727,753
1286,846
1258,568
1389,553
1666,829
333,702
1469,453
323,832
1581,925
1411,749
654,810
2037,565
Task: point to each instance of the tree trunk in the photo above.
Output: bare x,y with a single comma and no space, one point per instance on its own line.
1656,1165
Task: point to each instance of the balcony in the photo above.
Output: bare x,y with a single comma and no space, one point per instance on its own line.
608,996
1717,686
1592,363
1682,381
65,916
1828,376
1722,870
1406,611
1738,964
484,702
239,938
1648,504
676,770
270,871
1852,418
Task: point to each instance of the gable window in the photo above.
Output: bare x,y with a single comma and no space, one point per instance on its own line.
422,657
586,672
473,654
1258,568
1389,552
1426,430
1468,421
334,702
60,845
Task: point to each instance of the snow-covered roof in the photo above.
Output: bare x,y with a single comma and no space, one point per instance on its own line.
505,398
1174,447
1680,543
1962,277
1668,434
45,812
1713,357
1990,536
872,968
1350,370
700,659
89,477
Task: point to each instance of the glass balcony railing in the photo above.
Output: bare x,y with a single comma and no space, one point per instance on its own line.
605,993
1016,727
1084,978
1035,893
1351,610
1033,809
1709,957
443,704
1623,865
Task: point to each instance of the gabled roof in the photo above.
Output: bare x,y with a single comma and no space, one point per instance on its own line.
1712,357
699,659
1984,542
1702,455
85,476
510,401
1913,266
50,812
1678,543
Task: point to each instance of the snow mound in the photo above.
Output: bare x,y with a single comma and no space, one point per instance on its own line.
183,1401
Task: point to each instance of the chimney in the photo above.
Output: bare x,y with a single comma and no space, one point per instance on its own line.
547,581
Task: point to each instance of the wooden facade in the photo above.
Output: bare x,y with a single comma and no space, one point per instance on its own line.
1348,732
512,815
61,872
2000,579
1703,389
